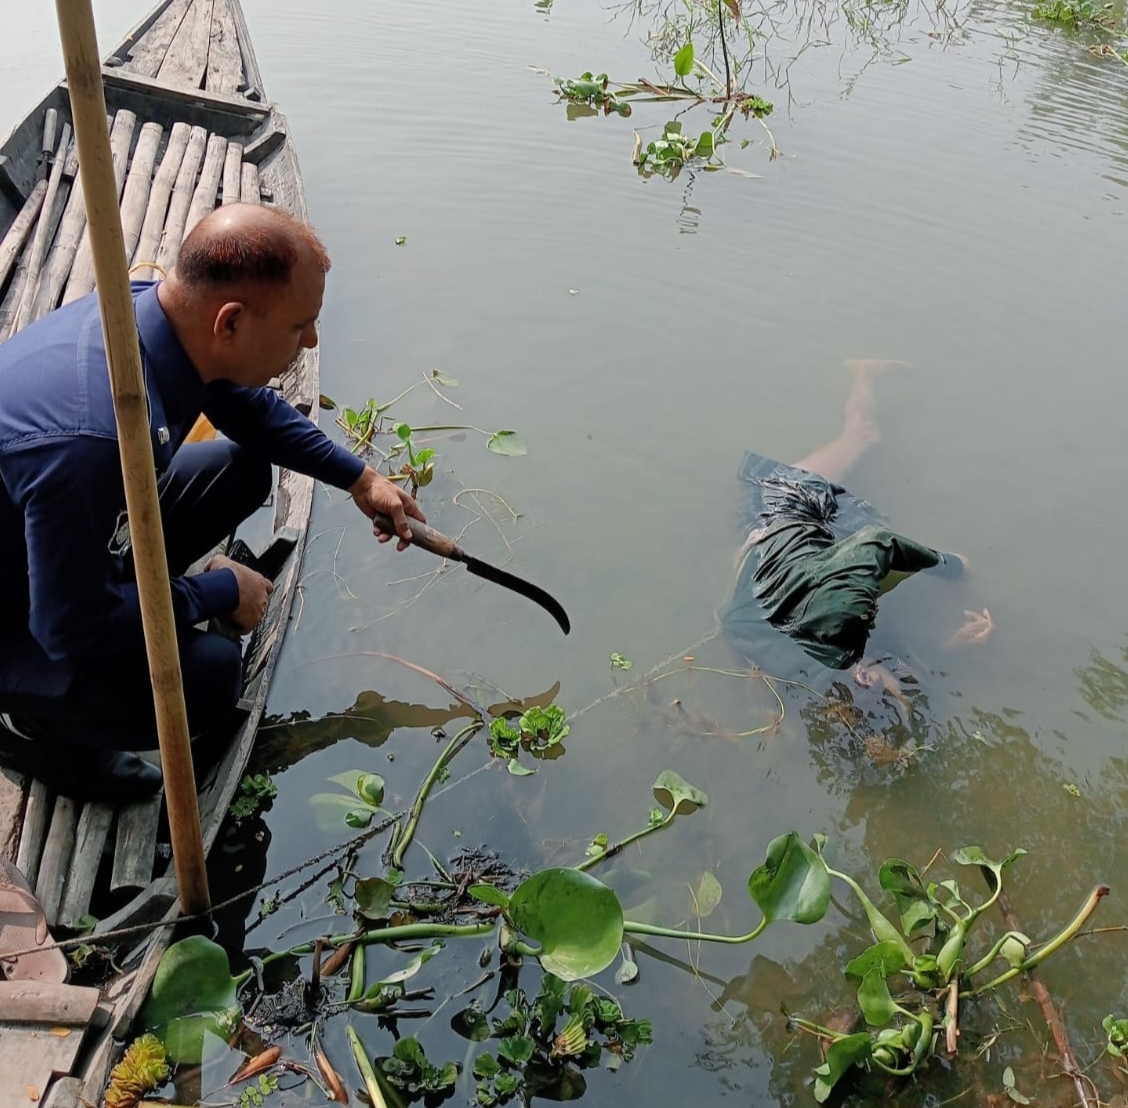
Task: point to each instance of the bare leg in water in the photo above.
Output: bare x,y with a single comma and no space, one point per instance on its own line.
859,428
859,431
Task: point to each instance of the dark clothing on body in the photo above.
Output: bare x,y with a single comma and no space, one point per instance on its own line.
816,565
71,641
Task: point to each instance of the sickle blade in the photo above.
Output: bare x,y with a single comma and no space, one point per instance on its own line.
534,593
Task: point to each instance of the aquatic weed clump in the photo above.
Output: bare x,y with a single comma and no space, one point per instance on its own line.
143,1067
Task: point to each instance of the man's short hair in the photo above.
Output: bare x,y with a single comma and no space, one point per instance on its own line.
263,253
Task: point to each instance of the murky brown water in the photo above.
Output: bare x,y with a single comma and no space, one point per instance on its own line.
956,198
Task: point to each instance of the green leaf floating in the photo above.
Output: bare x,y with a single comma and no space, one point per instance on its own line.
903,883
576,920
192,994
510,443
887,957
489,894
373,896
974,856
792,883
677,795
874,999
839,1058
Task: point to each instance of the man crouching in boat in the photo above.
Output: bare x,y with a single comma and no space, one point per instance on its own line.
239,309
816,558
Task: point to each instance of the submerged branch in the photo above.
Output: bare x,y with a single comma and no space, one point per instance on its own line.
1055,944
1070,1068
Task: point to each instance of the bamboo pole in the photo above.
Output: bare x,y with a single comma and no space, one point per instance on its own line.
152,227
88,110
39,243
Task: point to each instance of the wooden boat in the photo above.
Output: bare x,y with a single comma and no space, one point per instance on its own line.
191,129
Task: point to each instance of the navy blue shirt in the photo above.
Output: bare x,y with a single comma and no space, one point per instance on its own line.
62,505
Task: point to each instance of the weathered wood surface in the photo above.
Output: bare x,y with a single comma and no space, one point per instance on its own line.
238,107
64,1093
249,189
81,278
89,841
30,1056
148,54
149,241
225,62
11,812
57,853
21,229
39,243
252,78
232,172
204,198
134,848
39,1002
97,1067
182,193
271,140
36,816
134,198
73,226
187,59
148,906
54,220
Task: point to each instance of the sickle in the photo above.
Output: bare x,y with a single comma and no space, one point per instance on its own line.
437,543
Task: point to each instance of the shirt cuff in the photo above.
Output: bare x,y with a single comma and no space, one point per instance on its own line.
342,469
949,567
218,592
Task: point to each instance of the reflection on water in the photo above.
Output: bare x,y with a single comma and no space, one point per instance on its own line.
1103,685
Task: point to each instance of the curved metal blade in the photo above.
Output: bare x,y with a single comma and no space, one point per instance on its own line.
534,592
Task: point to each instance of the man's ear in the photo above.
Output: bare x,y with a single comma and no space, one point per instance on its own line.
228,320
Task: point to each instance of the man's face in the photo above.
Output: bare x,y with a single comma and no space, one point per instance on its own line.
267,334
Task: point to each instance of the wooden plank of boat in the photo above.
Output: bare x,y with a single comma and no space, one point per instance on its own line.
134,197
249,191
258,161
57,853
159,196
12,800
237,106
73,227
33,1052
135,844
65,1093
89,841
187,59
42,1002
225,63
203,199
182,192
148,54
232,171
21,227
37,811
53,218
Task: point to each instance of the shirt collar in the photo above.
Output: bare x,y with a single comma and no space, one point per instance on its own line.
170,368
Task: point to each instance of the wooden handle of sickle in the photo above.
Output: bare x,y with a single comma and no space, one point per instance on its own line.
422,535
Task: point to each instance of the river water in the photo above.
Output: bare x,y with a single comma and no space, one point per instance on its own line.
951,190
